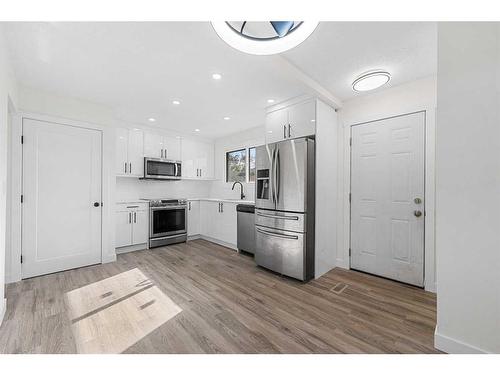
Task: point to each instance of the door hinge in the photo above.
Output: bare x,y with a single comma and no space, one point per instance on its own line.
349,197
350,141
22,139
21,258
22,198
349,251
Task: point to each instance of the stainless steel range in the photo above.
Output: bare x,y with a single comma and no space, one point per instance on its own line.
167,221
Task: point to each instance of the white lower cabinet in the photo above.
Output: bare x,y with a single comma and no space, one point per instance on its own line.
131,225
193,218
218,221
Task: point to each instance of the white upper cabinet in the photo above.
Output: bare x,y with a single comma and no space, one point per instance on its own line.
161,146
302,120
129,152
197,159
294,121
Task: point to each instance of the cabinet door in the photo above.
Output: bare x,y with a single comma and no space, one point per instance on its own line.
189,156
205,160
172,148
209,218
153,145
136,153
227,223
140,226
193,218
276,125
123,229
302,119
121,151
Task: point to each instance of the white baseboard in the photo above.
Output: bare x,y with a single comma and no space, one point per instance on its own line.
343,263
453,346
3,308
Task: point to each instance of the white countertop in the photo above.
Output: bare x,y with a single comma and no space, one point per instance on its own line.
227,200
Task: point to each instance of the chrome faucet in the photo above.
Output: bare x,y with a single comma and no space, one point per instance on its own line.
242,196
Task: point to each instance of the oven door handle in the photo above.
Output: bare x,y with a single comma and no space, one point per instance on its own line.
169,208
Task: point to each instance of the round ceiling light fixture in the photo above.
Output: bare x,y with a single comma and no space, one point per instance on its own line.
264,38
371,80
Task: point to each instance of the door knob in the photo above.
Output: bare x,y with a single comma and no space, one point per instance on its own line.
417,213
96,204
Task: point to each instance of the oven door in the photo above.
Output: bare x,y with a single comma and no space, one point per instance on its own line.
161,168
167,221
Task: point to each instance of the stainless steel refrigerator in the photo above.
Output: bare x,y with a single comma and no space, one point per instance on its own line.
284,207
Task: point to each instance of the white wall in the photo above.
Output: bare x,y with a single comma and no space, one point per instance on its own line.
249,138
468,188
419,95
8,92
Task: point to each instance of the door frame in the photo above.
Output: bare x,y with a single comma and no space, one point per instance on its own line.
429,193
107,188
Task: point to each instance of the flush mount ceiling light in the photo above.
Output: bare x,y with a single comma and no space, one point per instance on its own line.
371,80
216,76
264,38
151,119
270,101
176,102
227,118
196,130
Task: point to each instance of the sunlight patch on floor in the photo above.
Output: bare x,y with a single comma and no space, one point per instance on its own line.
111,315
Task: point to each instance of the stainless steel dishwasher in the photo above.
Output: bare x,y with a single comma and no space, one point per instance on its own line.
246,228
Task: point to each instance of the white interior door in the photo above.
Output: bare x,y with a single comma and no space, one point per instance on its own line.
387,198
61,182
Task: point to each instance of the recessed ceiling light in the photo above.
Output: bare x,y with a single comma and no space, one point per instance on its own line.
151,119
227,118
371,80
270,131
178,137
176,102
270,101
216,76
196,130
313,120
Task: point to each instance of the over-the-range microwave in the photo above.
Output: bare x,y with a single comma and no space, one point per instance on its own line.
162,169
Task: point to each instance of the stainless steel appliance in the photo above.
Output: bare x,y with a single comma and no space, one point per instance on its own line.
167,221
246,227
162,169
284,207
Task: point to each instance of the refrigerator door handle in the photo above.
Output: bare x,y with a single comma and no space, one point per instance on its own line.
274,234
277,175
273,156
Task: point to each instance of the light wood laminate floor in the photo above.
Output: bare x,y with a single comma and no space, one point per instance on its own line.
203,298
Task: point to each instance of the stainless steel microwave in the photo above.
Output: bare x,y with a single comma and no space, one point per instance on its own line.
162,169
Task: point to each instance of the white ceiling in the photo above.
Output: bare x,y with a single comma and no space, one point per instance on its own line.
137,69
338,52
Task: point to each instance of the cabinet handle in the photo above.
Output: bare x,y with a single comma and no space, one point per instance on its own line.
200,172
289,127
130,217
125,167
135,217
189,205
284,131
130,168
165,153
221,206
162,153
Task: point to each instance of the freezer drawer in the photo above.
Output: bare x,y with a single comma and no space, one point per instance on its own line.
281,251
291,221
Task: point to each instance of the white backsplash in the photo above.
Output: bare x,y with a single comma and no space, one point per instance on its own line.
221,189
132,188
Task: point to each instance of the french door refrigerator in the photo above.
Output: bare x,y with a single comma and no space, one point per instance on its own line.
284,207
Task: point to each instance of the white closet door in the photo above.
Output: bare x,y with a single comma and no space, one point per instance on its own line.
387,202
61,182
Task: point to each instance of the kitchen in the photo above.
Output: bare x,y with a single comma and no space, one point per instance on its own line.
216,196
